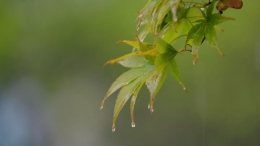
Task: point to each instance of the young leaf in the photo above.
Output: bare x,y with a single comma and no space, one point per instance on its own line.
199,36
171,31
195,30
144,14
148,55
125,93
134,61
195,55
144,33
174,7
211,37
154,21
124,79
136,44
165,7
161,61
154,84
194,14
132,104
210,9
163,47
197,33
217,19
175,73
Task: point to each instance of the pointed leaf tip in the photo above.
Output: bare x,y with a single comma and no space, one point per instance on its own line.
175,73
102,104
151,105
221,53
132,104
113,128
131,89
109,62
120,41
134,61
133,124
151,110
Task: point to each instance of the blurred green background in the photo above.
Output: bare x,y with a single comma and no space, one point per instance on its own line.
52,79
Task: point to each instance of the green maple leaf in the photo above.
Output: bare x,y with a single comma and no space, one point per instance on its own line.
206,29
143,71
131,82
167,20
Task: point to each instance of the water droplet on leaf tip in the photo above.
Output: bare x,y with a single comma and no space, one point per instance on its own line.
101,107
113,128
133,124
151,110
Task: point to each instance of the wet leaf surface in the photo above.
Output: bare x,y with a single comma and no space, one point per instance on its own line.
168,21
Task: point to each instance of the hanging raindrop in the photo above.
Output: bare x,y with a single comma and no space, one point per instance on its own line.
151,110
113,128
133,124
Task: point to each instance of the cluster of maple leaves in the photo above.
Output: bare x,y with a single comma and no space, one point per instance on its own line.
168,21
